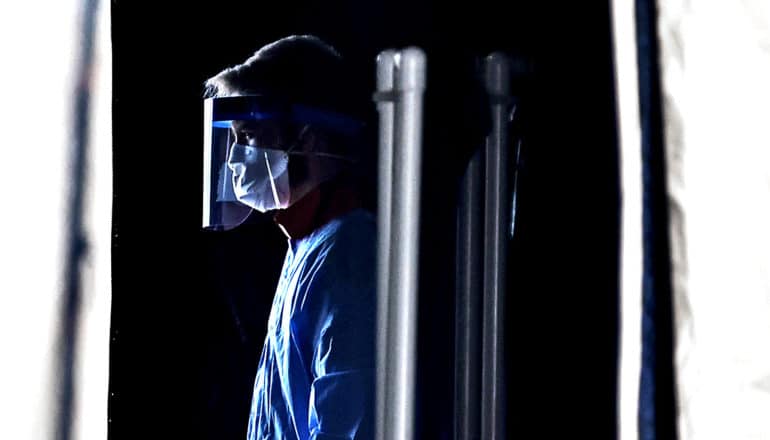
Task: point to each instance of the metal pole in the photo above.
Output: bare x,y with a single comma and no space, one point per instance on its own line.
400,319
410,80
468,305
496,219
385,81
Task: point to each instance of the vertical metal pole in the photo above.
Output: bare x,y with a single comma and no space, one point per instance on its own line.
400,319
496,221
468,305
385,82
410,78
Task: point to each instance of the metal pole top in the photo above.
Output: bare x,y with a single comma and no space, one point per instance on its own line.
386,67
497,74
412,68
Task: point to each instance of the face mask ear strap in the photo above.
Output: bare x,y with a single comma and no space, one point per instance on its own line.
292,149
333,156
272,181
297,141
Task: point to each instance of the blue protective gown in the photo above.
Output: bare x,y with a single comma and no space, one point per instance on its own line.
316,373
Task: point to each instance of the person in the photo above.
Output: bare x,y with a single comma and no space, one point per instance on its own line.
285,136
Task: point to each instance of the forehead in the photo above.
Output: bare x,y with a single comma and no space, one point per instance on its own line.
242,125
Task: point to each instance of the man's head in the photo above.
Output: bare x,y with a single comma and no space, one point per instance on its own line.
307,106
300,69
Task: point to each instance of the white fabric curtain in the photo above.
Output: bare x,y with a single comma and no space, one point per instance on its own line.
715,69
40,48
715,86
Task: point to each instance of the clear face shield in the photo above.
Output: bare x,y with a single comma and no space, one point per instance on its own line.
240,175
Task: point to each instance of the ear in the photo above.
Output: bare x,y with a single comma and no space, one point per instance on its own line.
311,139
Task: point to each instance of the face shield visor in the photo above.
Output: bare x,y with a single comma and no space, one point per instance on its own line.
241,176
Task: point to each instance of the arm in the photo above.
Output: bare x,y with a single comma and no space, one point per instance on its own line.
338,311
342,392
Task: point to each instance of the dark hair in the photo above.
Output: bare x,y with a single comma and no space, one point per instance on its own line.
302,69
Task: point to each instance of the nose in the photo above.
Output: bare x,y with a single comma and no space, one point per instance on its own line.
240,155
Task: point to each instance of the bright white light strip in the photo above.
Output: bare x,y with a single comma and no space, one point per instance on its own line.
624,29
94,333
39,46
39,54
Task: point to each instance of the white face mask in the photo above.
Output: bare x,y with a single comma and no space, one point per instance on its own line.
260,177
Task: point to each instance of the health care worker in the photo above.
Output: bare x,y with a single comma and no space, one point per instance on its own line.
280,138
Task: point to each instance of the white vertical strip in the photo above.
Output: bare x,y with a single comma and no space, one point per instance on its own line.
629,131
38,49
715,61
92,369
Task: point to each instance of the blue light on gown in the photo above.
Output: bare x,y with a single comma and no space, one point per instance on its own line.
316,372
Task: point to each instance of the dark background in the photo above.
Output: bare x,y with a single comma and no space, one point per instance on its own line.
190,306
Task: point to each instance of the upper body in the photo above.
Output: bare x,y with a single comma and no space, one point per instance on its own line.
316,372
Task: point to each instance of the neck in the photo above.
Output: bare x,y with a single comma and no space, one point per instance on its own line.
315,209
